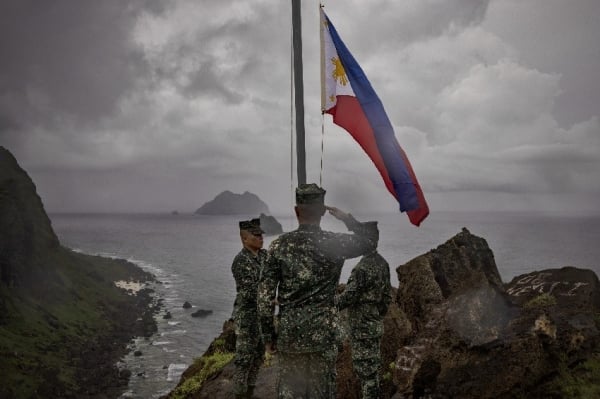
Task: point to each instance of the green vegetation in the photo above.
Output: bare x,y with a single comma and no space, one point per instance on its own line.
57,322
219,345
387,376
206,366
540,301
582,381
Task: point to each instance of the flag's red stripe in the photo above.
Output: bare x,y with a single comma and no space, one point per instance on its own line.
348,114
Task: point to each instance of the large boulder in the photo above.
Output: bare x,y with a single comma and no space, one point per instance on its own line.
474,337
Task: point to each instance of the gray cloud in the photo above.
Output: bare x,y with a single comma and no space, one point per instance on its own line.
65,60
159,105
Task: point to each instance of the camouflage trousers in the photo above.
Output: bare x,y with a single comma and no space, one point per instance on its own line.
307,375
366,361
249,354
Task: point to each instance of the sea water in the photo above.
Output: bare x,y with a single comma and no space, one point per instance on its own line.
191,257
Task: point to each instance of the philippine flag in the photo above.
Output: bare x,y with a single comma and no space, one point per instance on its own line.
348,96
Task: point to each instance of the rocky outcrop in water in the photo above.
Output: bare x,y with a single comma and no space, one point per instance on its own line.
270,225
228,203
455,330
64,323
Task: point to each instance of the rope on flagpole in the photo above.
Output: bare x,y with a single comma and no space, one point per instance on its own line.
322,147
322,5
292,150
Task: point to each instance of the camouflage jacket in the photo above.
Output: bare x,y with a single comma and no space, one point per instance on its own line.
367,296
246,269
303,268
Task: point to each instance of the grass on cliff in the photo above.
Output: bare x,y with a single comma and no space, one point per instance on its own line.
580,381
69,301
541,301
206,366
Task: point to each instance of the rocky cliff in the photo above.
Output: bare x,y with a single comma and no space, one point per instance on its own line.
63,322
455,330
25,229
228,203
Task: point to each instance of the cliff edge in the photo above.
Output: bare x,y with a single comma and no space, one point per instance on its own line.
64,323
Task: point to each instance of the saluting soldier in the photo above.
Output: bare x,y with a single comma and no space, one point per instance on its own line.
246,269
301,275
367,297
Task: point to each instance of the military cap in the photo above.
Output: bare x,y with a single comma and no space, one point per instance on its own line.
310,194
252,225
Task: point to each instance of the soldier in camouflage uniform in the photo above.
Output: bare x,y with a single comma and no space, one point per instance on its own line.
367,297
303,268
246,269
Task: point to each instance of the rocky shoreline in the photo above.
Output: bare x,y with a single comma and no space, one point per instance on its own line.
98,369
78,356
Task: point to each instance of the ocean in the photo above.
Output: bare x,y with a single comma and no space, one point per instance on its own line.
191,257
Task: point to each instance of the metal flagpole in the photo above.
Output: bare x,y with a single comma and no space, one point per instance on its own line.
298,91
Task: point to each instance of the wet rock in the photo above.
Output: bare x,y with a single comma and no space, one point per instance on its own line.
270,225
125,374
201,313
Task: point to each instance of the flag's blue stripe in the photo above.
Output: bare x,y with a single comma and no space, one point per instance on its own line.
386,141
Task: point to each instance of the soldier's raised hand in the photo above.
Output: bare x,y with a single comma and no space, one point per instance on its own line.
337,213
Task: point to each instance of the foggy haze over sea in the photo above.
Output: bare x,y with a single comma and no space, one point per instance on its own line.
191,256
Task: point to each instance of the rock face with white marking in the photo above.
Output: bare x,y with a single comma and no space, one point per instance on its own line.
474,337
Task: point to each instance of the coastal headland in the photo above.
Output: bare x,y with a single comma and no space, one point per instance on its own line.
65,317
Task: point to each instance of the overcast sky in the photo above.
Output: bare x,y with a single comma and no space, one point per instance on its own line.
160,105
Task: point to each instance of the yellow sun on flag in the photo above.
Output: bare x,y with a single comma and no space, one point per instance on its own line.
339,74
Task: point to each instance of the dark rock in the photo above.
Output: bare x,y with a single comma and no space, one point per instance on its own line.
472,338
187,305
228,203
575,287
201,313
137,353
167,316
25,229
125,374
270,225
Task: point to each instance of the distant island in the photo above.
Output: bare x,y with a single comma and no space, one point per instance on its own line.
228,203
